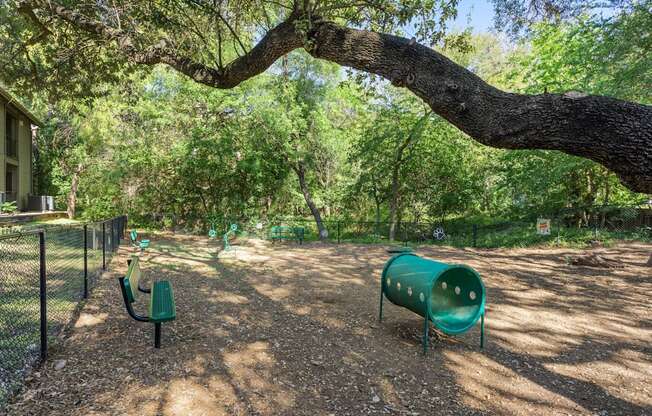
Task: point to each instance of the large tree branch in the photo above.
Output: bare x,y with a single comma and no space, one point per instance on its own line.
277,42
615,133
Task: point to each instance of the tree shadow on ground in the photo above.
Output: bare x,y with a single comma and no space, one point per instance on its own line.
293,330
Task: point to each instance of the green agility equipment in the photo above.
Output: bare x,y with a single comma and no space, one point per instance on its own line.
141,244
232,229
212,233
451,296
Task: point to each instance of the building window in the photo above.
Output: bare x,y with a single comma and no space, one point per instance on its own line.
11,136
11,182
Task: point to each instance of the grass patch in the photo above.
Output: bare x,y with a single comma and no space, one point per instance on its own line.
19,294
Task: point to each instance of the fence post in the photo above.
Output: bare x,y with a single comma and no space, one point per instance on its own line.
338,232
475,235
85,261
103,245
42,296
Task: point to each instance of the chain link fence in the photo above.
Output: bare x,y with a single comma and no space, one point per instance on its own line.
44,274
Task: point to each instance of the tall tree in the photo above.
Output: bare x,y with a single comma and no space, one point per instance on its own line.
302,132
219,45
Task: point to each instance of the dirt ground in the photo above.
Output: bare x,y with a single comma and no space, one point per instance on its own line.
293,330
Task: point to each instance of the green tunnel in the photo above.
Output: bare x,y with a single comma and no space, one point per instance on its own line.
451,296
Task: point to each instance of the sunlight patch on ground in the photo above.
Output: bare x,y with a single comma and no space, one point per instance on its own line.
487,384
86,319
622,366
273,292
189,398
251,369
229,297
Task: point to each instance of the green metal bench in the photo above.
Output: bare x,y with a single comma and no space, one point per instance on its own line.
451,296
140,244
161,303
284,232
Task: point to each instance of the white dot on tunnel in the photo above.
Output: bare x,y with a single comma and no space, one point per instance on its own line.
457,290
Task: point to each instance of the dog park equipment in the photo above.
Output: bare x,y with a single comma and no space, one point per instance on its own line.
451,296
141,244
231,231
212,233
284,232
161,303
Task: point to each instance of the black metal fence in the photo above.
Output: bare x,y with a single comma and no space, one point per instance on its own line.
576,225
44,274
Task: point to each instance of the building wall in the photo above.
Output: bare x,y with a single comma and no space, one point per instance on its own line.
24,154
2,145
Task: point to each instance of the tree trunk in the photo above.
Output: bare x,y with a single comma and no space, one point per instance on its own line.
377,201
414,134
377,229
72,195
393,204
300,170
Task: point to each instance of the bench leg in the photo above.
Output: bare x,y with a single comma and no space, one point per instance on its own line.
426,340
380,311
482,331
157,335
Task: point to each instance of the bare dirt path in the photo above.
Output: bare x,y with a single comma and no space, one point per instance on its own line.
292,330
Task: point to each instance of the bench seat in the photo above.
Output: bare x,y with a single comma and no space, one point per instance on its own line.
161,305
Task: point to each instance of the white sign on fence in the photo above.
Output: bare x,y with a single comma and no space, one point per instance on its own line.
543,226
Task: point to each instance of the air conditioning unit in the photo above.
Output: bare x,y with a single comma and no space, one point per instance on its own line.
40,203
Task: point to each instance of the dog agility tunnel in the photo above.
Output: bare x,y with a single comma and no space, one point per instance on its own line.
451,296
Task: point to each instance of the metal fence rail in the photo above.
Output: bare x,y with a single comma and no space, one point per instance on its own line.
44,274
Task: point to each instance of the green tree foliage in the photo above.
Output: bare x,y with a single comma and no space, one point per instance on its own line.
588,55
160,145
413,165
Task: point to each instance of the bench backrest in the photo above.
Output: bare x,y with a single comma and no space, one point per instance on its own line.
134,236
131,279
